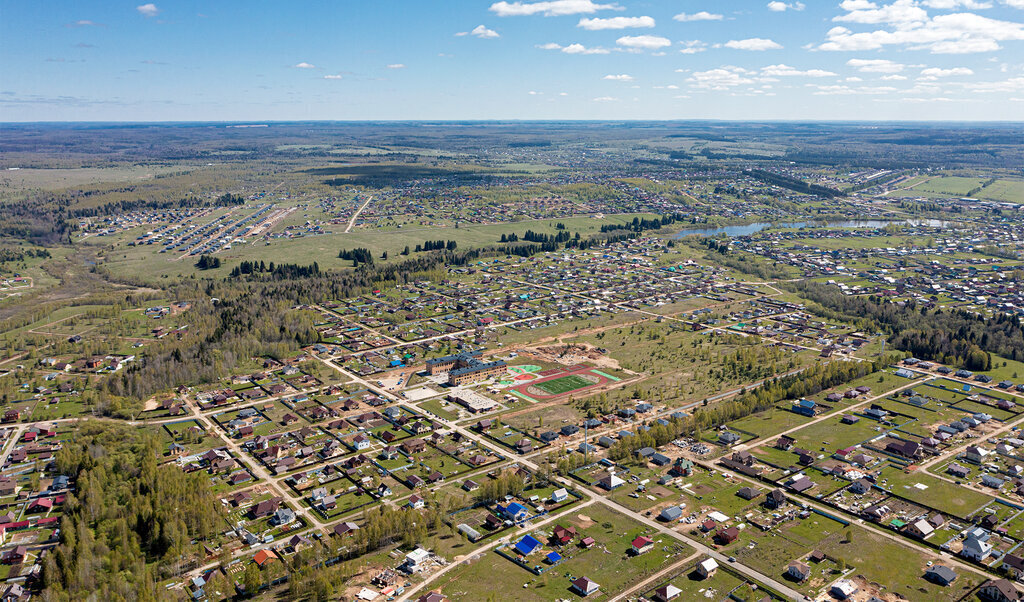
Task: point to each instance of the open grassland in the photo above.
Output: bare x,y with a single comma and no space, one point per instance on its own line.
147,263
492,577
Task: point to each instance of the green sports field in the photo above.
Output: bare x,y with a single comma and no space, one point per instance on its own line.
564,384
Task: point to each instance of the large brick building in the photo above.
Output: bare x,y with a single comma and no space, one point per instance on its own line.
465,368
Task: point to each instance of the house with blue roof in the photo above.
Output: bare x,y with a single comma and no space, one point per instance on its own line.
553,557
514,511
805,407
527,545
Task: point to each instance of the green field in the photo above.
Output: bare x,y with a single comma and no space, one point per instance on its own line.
564,384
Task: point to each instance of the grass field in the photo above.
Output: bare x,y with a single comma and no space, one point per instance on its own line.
147,263
492,577
564,384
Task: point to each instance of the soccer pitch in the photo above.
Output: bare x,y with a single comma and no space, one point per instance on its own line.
564,384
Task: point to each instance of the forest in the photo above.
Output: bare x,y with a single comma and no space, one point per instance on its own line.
129,523
953,336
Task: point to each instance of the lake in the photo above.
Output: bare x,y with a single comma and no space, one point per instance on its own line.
748,229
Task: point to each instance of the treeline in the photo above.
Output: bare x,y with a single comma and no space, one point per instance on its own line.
130,523
507,483
357,256
956,337
793,183
253,317
746,263
278,271
437,245
45,222
125,206
641,225
208,262
14,255
531,236
813,380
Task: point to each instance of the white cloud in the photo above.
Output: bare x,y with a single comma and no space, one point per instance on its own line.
481,32
894,78
699,16
755,44
597,24
1014,3
722,78
955,33
934,72
534,93
781,70
304,65
1014,84
605,99
875,65
332,77
782,6
83,23
837,90
148,10
855,79
693,47
396,66
581,49
849,5
900,12
951,4
574,48
622,77
645,42
550,8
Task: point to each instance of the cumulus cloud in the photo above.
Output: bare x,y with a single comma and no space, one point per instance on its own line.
304,65
875,65
722,78
839,89
148,10
596,24
935,72
907,24
332,77
900,12
951,4
550,8
782,70
849,5
574,48
622,77
396,66
84,23
645,42
481,32
779,7
692,47
700,16
605,99
755,44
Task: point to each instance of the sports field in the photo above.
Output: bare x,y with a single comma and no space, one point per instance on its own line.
558,386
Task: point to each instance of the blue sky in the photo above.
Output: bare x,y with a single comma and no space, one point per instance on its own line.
556,59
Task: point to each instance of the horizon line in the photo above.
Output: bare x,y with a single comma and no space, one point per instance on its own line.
259,122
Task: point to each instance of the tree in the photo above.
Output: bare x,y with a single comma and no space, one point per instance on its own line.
252,580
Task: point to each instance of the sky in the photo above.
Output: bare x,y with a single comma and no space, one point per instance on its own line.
85,60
